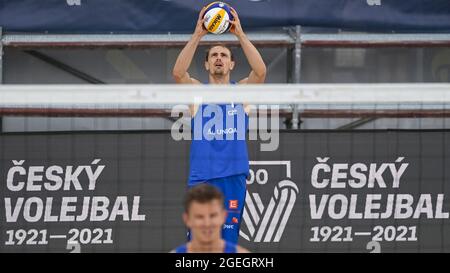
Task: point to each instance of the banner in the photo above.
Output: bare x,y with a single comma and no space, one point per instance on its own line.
162,16
320,191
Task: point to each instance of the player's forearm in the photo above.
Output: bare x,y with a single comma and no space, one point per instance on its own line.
254,58
185,57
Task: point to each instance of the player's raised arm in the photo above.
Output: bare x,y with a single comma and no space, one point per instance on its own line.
258,73
184,59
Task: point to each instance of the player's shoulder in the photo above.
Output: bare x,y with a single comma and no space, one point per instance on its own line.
234,248
240,249
243,81
180,249
195,81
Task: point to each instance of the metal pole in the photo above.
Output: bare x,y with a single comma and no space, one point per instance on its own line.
75,72
1,70
296,76
1,55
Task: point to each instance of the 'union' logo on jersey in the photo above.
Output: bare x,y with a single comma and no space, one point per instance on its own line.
266,222
222,131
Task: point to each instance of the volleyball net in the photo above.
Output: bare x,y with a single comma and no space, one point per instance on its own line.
301,94
306,100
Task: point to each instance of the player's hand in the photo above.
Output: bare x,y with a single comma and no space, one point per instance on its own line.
200,28
236,27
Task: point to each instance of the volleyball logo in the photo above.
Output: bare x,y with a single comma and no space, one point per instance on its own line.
216,17
267,223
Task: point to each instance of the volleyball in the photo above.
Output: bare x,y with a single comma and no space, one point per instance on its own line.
216,16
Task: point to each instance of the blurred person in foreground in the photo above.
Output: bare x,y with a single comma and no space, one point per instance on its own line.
204,214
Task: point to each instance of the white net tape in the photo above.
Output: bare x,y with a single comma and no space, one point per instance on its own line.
310,96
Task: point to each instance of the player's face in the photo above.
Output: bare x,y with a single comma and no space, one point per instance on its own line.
219,61
205,221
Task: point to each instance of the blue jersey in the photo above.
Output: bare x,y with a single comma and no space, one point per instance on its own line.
229,248
218,147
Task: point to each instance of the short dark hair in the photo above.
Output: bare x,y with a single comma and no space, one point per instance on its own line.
202,193
222,45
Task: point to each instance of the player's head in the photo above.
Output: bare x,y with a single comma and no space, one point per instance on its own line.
219,60
204,213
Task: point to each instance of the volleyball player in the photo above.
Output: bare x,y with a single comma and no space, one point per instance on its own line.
204,215
218,153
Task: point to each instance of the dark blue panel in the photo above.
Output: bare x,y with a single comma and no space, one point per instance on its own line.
153,16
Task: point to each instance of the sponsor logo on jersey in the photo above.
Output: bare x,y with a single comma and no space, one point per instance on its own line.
233,204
